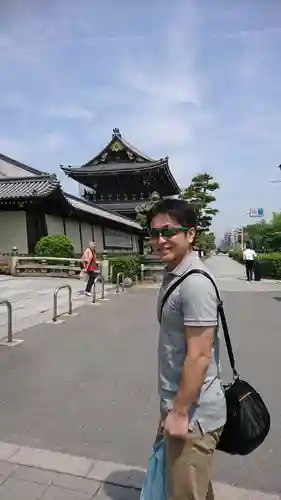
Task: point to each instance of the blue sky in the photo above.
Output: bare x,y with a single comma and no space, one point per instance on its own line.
198,81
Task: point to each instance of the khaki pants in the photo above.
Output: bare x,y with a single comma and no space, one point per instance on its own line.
189,465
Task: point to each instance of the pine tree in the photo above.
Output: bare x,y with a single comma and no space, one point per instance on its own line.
142,210
200,194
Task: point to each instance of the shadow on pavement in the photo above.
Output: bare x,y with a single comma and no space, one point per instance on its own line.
277,298
124,485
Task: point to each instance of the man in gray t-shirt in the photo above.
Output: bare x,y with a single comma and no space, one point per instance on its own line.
192,402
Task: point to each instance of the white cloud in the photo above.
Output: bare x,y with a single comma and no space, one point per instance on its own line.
53,142
14,100
70,112
14,147
169,91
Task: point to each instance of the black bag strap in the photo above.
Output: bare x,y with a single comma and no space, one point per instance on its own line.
221,312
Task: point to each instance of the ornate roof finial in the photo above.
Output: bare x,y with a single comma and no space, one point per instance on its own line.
116,133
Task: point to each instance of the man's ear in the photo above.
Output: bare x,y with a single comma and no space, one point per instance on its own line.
191,235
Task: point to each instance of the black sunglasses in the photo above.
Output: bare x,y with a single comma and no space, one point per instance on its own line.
167,232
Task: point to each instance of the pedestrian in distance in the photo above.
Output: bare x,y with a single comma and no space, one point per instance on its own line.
89,263
192,400
249,256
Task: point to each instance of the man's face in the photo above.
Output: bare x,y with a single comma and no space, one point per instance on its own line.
169,239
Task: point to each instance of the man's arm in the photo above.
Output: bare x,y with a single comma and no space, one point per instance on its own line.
199,344
199,309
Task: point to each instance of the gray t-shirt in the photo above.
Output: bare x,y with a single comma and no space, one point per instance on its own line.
192,303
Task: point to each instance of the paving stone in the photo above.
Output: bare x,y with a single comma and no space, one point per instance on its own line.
15,489
76,483
6,468
52,461
224,491
57,493
34,475
120,474
7,450
112,492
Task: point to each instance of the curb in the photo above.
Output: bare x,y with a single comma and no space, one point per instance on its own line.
121,475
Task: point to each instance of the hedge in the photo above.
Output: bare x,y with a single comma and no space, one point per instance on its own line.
128,265
270,263
57,245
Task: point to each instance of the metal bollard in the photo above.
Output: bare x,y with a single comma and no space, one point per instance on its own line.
10,323
55,304
118,282
98,279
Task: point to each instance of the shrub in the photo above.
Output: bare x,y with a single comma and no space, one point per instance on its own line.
129,266
236,255
57,245
270,263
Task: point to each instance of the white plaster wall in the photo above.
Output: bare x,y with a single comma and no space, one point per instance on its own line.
54,225
72,231
98,234
9,170
13,231
87,234
135,243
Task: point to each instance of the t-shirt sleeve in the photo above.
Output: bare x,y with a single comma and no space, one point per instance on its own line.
198,302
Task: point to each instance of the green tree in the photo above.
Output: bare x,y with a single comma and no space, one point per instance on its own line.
142,210
209,242
200,194
265,236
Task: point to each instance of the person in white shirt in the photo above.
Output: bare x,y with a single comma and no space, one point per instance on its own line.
248,256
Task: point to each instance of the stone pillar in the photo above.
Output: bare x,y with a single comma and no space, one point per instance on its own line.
142,273
14,260
104,267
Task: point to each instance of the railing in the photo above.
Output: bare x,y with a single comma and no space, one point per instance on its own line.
49,266
98,279
55,304
5,264
118,284
9,313
151,271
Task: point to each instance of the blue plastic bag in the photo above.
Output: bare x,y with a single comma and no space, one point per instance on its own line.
155,482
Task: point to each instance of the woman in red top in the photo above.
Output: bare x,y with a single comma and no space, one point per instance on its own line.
90,266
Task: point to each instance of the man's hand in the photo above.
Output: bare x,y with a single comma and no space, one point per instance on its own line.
176,425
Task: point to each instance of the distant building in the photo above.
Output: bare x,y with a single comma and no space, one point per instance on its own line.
121,178
33,204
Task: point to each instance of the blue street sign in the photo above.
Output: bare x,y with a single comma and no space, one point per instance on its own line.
256,212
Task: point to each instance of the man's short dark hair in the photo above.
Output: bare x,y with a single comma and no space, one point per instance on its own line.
184,213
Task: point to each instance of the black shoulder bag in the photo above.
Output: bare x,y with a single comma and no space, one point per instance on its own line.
248,419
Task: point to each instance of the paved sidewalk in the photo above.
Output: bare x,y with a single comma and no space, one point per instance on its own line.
223,266
32,299
34,474
231,276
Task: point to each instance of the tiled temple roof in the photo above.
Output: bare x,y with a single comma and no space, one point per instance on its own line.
27,187
42,186
115,167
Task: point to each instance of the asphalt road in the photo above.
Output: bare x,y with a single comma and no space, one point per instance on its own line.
88,386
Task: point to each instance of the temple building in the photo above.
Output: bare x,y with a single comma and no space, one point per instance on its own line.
33,204
120,178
